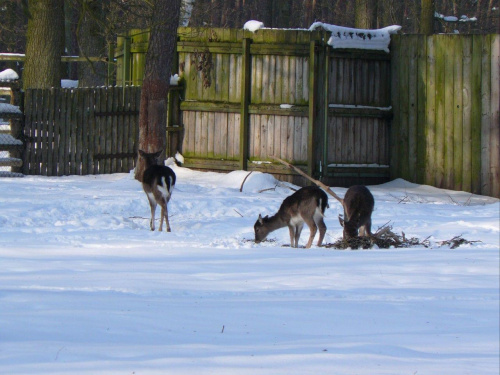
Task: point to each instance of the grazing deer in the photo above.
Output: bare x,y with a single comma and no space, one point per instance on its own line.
158,182
358,205
306,205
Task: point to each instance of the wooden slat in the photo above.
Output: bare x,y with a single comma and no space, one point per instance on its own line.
486,115
440,111
412,109
448,110
457,61
80,106
495,117
477,48
467,110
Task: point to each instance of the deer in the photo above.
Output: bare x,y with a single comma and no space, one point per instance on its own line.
358,205
306,205
158,182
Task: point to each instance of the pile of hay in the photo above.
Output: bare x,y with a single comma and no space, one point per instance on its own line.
384,238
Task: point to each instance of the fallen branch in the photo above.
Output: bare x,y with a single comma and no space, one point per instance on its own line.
456,242
243,183
317,182
384,238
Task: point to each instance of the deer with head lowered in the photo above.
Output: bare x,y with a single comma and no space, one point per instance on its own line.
358,205
307,205
158,183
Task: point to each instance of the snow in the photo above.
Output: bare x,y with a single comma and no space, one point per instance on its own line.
69,83
463,18
346,37
86,288
174,80
9,108
186,12
8,75
253,25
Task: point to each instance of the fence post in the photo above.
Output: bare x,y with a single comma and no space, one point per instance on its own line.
126,61
312,107
245,99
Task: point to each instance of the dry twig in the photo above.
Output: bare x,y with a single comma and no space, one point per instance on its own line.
384,238
456,242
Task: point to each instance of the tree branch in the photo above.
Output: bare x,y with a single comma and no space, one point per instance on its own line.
319,183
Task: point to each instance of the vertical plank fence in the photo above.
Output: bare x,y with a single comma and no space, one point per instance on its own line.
428,112
80,131
446,111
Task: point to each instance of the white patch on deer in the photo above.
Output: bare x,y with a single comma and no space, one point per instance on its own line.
296,220
151,196
163,188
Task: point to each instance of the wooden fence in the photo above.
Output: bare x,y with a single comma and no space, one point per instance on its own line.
80,131
446,111
284,93
428,112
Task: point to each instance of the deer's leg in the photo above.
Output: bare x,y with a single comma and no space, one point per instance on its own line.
291,229
161,218
365,230
298,231
313,229
322,230
165,212
152,205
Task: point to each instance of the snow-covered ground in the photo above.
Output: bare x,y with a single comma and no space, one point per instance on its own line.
86,288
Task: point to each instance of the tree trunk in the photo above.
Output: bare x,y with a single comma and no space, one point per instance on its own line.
366,14
157,71
44,44
91,43
427,17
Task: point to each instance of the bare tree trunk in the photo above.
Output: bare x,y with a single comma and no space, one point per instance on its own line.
366,14
157,71
427,17
44,44
91,43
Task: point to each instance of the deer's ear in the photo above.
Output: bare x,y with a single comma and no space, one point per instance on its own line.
157,154
260,219
142,153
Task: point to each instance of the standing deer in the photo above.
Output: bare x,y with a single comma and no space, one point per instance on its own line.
358,205
158,183
306,205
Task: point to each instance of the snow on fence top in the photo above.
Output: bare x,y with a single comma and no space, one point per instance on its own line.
253,25
8,75
9,108
346,37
